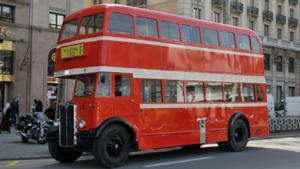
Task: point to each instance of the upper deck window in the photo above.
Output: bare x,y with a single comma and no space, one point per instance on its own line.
69,29
210,37
243,42
255,45
121,23
146,27
169,30
227,39
91,24
190,34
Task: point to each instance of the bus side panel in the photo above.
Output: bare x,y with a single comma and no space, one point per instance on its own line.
168,58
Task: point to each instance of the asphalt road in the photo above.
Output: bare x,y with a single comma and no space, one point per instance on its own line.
281,153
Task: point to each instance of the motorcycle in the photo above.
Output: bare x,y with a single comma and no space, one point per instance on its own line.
31,127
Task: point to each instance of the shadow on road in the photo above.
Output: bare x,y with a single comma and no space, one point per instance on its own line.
262,156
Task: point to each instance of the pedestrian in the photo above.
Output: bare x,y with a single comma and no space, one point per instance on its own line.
5,124
15,111
39,110
33,106
50,111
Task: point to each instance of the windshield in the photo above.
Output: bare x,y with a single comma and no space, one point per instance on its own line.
85,85
69,29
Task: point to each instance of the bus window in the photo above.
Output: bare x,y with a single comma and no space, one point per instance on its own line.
169,30
243,42
104,85
151,91
259,92
190,34
147,27
227,39
231,92
255,45
69,30
248,92
210,37
194,91
122,85
214,92
121,23
91,24
85,85
174,91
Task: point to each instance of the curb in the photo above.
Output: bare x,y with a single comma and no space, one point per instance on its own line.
278,135
32,158
25,158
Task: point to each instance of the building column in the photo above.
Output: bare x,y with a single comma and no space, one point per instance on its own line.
286,73
273,69
208,10
297,71
185,7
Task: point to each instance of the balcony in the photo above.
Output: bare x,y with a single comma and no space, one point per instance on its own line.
280,19
293,23
268,16
252,11
236,7
137,3
293,2
217,3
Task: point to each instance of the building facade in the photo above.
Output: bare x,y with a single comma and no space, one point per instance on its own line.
28,31
275,21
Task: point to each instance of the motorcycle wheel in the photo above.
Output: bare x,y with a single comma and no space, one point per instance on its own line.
24,139
41,140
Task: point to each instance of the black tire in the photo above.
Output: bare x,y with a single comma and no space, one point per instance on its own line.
24,139
111,149
238,137
62,154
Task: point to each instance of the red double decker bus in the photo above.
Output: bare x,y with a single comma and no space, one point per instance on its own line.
150,80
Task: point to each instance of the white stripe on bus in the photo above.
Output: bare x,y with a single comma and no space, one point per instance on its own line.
155,43
201,105
165,74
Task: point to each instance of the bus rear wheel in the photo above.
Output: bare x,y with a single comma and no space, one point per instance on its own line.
112,147
238,137
62,154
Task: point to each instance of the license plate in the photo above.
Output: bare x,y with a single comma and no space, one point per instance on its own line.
72,51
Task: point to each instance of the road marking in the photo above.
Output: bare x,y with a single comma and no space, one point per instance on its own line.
177,162
11,164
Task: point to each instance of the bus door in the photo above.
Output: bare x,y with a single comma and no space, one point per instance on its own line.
124,103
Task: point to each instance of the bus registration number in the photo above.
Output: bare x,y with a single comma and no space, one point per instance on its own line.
72,51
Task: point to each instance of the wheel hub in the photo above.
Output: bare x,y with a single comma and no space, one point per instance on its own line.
114,146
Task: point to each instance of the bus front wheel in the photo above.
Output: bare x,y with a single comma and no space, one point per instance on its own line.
112,147
62,154
238,137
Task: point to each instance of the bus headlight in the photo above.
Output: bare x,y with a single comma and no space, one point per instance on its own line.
81,124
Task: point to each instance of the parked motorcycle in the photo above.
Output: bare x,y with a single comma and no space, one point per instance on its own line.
31,127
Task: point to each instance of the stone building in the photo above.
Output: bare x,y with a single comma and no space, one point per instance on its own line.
275,21
28,31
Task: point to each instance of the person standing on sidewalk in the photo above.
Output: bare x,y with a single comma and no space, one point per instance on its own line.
39,110
15,111
5,124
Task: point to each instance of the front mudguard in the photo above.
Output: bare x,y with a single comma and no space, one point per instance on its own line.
53,133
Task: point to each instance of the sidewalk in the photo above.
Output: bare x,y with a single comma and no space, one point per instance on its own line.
12,148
